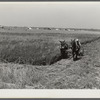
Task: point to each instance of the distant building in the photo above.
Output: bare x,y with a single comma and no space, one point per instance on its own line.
68,29
37,28
1,26
29,28
57,29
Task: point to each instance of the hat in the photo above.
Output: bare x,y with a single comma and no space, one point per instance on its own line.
77,40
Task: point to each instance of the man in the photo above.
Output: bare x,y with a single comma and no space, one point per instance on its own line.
78,45
75,46
64,47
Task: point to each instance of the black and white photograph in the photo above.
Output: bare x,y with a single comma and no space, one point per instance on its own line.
50,45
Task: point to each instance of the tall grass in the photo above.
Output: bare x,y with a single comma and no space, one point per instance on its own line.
35,49
20,76
39,52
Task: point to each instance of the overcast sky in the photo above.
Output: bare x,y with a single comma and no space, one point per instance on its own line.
51,14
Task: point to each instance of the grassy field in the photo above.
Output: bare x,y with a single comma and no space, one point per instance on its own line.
26,57
37,48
